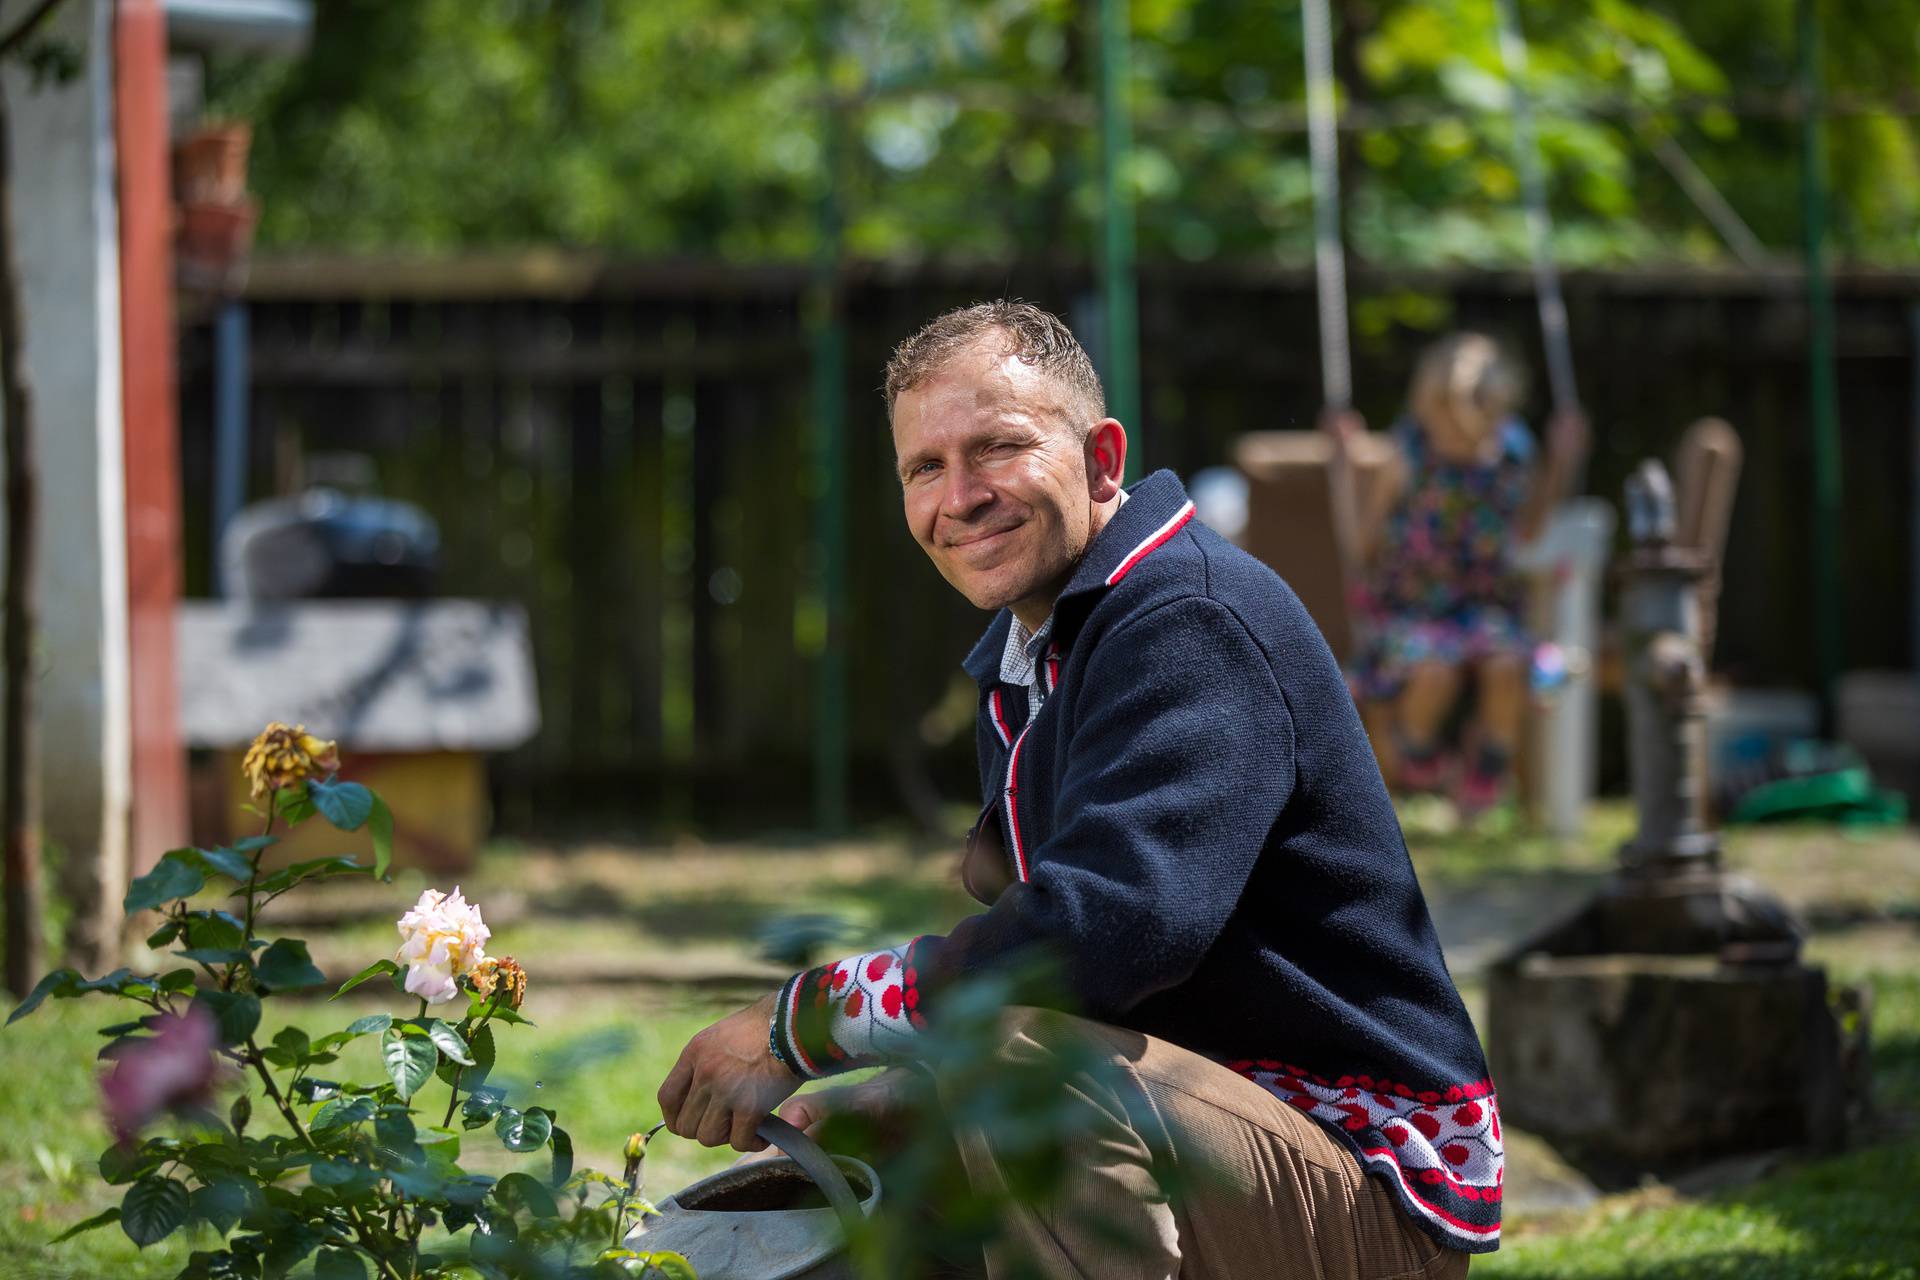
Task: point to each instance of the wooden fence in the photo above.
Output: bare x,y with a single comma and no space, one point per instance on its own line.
624,449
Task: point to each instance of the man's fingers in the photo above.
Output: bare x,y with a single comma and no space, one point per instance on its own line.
673,1092
716,1124
743,1136
801,1113
686,1122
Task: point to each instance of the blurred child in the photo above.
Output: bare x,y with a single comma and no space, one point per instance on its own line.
1437,602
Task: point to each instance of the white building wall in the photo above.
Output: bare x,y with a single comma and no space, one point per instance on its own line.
65,211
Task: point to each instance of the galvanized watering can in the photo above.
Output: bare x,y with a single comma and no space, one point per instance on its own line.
779,1219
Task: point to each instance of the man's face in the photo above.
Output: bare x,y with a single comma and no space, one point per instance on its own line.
995,479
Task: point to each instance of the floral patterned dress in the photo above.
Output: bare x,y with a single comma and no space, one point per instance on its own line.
1440,588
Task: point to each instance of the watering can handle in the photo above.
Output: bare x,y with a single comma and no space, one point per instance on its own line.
816,1164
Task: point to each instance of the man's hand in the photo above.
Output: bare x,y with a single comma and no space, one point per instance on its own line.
883,1102
726,1082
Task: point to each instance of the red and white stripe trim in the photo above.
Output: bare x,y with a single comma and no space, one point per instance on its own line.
1013,805
999,717
792,1014
1152,540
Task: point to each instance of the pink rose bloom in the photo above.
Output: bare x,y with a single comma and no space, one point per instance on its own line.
442,939
173,1069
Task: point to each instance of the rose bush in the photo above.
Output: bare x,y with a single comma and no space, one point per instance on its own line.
363,1178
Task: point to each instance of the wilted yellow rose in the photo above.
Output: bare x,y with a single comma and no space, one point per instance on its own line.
280,757
504,976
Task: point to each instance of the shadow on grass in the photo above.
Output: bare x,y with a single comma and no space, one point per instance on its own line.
1852,1216
881,905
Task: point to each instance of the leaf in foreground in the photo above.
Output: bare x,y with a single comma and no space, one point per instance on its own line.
409,1060
97,1220
523,1130
154,1207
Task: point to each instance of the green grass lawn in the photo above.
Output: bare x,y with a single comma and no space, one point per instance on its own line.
672,920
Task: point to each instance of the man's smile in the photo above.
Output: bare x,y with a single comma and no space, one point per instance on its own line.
978,540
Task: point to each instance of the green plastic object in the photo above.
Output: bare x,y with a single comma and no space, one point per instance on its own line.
1839,795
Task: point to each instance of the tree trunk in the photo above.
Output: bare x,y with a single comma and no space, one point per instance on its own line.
19,808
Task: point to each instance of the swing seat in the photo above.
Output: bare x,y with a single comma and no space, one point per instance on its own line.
1291,527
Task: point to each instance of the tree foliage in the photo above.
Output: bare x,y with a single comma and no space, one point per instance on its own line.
699,126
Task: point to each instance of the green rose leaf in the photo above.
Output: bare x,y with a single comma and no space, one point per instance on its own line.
235,1013
339,1173
286,1245
517,1191
97,1220
174,876
338,1264
472,1075
214,929
253,844
481,1106
222,1203
523,1130
163,935
211,956
313,1089
289,1049
154,1207
312,869
210,1159
230,863
337,1113
373,1022
372,971
409,1060
120,1164
286,966
61,982
64,984
668,1264
292,804
562,1157
393,1129
468,1190
380,827
443,1035
347,805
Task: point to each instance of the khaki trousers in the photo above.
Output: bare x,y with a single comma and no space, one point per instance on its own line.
1206,1174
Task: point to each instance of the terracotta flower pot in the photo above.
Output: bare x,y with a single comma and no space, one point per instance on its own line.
210,165
213,241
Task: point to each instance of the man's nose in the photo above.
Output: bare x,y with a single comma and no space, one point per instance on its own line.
965,492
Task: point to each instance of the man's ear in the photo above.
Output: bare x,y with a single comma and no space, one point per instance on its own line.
1106,459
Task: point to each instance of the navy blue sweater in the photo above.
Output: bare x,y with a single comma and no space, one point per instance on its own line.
1200,834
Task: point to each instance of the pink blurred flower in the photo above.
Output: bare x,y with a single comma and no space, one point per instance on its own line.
175,1068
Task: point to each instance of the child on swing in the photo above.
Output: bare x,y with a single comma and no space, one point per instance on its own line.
1437,605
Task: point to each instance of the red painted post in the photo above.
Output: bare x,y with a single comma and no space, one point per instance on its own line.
149,420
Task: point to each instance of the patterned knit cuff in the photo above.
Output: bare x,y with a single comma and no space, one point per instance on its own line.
857,1012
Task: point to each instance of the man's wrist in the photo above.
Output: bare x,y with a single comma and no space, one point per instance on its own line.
779,1030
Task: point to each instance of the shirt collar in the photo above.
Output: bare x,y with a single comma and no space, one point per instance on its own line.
1144,513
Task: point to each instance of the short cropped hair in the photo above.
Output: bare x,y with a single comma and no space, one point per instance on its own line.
1037,338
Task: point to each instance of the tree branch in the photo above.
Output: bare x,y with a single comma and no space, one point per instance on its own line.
18,36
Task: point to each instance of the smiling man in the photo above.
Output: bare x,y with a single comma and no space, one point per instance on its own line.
1182,810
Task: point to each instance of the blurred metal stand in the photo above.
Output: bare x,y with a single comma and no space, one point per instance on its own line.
231,368
1611,1031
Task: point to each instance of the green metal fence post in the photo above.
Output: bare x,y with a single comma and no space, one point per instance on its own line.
828,335
1829,635
1119,289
